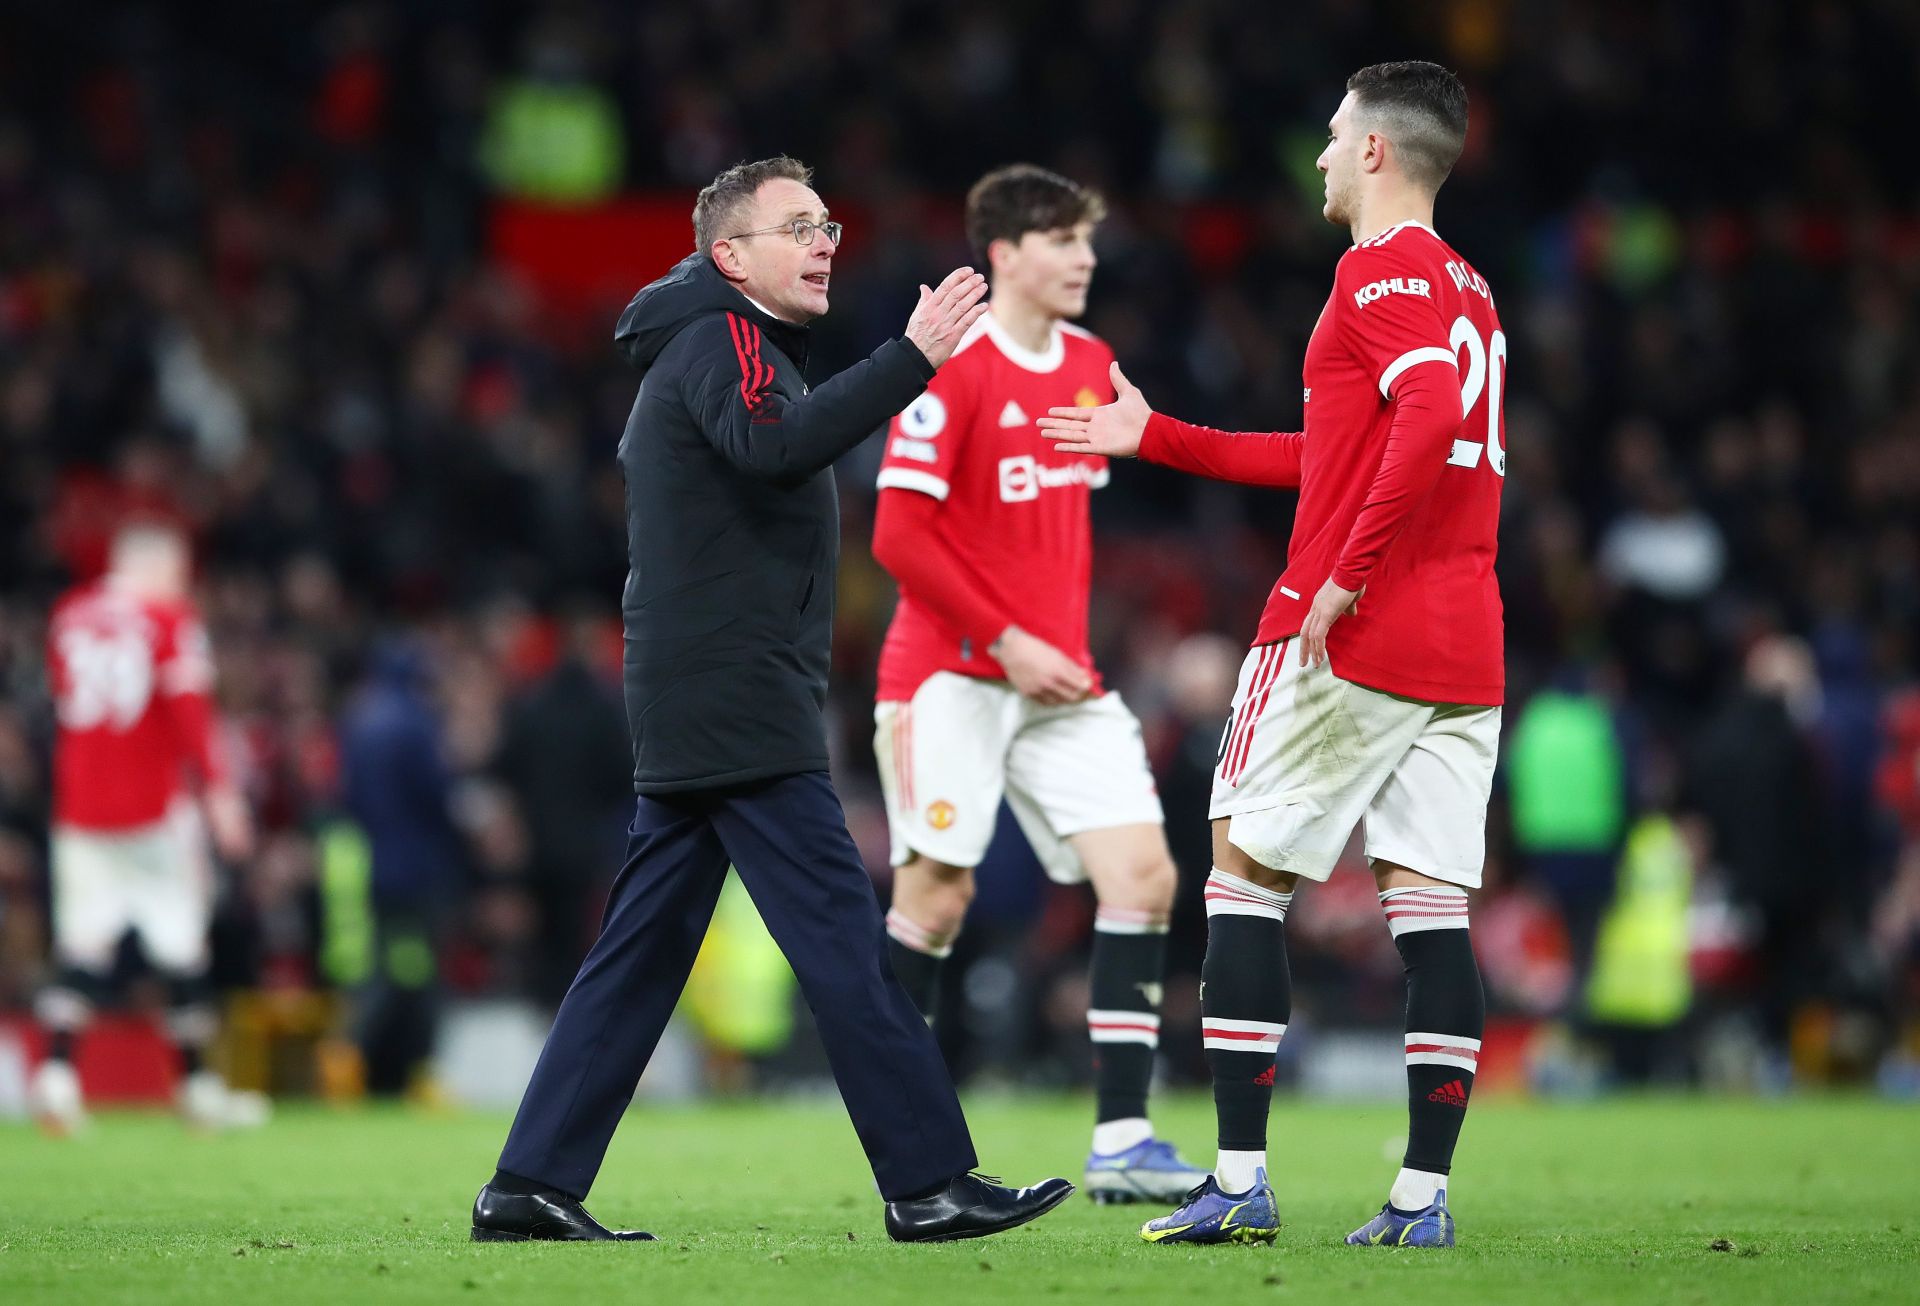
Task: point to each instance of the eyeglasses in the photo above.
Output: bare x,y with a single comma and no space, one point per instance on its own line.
801,229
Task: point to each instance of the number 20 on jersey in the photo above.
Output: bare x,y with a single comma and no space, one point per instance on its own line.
1485,369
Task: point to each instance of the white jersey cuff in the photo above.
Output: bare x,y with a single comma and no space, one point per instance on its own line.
1413,358
906,478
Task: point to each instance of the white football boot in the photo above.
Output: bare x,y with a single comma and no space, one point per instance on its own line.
207,1103
58,1107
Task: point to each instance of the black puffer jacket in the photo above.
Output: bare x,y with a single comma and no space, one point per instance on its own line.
733,529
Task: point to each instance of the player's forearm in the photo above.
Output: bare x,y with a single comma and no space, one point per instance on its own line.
194,717
1270,458
908,543
1426,417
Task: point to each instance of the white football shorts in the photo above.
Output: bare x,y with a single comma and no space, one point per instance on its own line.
155,880
1307,755
949,753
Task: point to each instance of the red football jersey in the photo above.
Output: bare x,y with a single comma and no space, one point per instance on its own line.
131,685
1429,623
1016,512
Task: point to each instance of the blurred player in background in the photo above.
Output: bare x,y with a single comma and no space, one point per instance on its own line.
132,680
986,685
1374,685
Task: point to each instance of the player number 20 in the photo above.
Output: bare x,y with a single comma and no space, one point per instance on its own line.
1486,370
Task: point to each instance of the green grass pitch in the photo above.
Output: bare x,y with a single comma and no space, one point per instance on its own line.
1643,1201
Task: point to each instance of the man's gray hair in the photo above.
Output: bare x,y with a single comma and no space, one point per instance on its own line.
726,199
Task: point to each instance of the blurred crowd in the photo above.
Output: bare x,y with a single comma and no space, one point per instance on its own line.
249,281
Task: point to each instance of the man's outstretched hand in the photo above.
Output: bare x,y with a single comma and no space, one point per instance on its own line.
1111,430
943,314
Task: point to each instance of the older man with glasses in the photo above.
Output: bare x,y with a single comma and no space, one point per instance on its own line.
733,540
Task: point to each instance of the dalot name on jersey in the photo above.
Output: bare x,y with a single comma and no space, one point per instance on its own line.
1392,286
1465,278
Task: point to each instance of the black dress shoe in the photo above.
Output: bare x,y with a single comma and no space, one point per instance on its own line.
540,1217
972,1206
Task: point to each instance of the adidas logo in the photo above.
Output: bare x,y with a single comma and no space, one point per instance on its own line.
1454,1094
1265,1078
1013,415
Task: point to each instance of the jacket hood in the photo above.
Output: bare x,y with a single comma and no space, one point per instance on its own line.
691,290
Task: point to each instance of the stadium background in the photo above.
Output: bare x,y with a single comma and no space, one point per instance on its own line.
334,286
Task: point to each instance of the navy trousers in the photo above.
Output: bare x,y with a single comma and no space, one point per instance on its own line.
788,839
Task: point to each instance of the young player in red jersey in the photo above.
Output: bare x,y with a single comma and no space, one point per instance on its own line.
132,679
987,688
1374,685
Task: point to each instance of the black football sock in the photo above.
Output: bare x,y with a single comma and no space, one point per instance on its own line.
1446,1014
917,956
190,1021
64,1007
1123,1015
1246,999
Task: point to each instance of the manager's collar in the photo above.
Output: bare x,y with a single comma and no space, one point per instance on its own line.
793,338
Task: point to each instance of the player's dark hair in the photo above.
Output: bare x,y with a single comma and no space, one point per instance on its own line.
1009,202
1422,108
726,198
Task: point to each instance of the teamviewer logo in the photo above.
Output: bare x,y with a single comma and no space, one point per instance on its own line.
1023,476
1019,479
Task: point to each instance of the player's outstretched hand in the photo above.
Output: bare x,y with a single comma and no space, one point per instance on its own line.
1040,671
1329,605
1112,430
943,314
